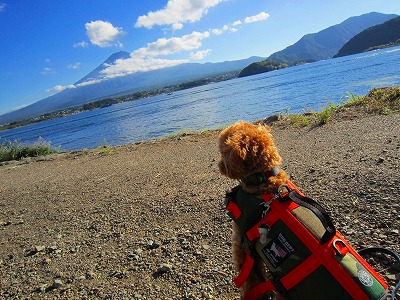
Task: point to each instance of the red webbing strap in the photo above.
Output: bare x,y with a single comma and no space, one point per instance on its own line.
362,261
270,218
234,209
301,272
253,233
259,290
293,187
324,253
245,271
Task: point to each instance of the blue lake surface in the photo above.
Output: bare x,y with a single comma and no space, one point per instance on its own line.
311,86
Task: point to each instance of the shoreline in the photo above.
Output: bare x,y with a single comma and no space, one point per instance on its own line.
377,101
147,220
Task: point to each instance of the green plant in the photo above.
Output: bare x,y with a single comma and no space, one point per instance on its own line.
299,120
15,150
107,149
180,134
324,115
353,100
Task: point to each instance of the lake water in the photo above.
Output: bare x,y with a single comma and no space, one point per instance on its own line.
310,86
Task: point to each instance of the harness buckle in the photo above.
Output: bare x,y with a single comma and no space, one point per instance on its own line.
282,191
263,229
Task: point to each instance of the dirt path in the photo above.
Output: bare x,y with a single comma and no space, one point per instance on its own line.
148,222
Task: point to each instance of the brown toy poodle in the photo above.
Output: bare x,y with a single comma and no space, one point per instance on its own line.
247,149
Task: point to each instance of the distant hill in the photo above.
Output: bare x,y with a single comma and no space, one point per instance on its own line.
326,43
386,34
123,85
262,67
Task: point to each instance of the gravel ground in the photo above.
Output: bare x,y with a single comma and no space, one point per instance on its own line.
147,221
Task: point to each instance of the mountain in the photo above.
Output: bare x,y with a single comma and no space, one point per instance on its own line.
123,85
96,73
385,34
262,67
326,43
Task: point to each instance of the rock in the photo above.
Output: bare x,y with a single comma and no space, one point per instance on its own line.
57,284
42,288
90,274
5,223
205,247
46,261
164,268
117,274
51,249
133,256
138,251
152,245
272,119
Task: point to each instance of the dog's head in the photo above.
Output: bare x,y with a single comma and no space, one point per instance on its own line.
247,149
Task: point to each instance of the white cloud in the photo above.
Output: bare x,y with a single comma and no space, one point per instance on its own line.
177,12
2,7
103,34
199,54
59,88
236,23
172,45
216,31
82,44
74,66
262,16
177,26
146,58
47,70
89,82
133,65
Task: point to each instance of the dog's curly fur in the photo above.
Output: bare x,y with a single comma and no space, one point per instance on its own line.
247,149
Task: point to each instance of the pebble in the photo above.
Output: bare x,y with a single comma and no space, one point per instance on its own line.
138,251
90,274
5,223
205,247
152,245
57,284
164,268
39,248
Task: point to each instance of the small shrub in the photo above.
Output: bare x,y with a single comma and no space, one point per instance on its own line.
107,149
299,120
378,100
180,134
15,150
324,115
353,100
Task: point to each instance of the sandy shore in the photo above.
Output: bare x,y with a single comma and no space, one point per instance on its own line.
147,221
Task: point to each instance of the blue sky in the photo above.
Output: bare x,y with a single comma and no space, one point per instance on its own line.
48,45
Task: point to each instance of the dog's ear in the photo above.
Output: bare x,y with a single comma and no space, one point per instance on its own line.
222,167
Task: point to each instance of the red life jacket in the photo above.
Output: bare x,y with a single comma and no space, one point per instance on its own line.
306,256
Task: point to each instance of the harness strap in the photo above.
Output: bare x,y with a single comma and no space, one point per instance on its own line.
301,272
324,255
245,271
234,209
259,290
